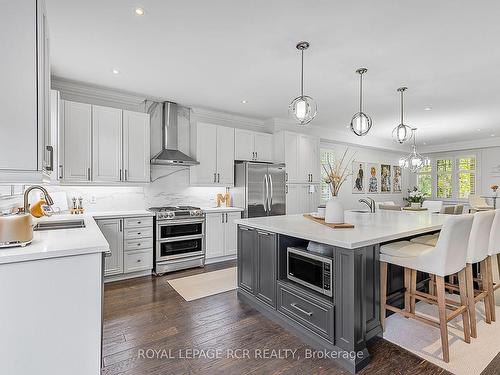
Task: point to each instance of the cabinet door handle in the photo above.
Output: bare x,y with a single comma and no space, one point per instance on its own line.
120,225
215,177
256,155
88,174
50,166
222,218
218,177
107,254
294,305
286,177
264,233
61,172
120,174
126,175
226,218
138,261
286,189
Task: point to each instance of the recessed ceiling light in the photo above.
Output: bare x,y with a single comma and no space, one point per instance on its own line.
425,143
139,11
478,129
427,108
243,101
493,135
115,71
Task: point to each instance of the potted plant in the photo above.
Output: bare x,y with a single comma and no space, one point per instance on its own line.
336,175
415,198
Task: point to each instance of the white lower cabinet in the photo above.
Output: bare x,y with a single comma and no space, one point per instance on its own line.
130,243
302,198
221,234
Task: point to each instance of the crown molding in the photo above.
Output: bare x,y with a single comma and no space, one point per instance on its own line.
458,146
226,119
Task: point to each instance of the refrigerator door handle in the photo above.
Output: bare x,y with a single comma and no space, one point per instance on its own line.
271,190
266,193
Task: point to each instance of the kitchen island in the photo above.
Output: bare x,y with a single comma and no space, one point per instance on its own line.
52,291
342,321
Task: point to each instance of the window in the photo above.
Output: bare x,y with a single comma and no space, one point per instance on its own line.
325,157
466,175
424,181
444,178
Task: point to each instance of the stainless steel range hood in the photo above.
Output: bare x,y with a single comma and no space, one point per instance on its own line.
169,154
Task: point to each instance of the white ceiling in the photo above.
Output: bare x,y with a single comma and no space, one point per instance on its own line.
214,54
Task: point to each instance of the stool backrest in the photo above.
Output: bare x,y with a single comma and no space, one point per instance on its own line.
391,207
479,239
448,210
450,253
433,206
459,209
494,246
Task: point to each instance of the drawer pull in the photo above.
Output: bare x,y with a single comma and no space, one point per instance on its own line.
294,305
138,233
139,222
138,261
139,244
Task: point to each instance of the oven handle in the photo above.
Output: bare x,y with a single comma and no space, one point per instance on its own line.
179,222
180,238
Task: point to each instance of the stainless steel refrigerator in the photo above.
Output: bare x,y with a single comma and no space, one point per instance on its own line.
260,189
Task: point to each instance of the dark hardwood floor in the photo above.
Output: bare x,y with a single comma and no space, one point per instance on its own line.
145,317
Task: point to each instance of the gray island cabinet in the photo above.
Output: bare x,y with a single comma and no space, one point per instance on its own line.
346,321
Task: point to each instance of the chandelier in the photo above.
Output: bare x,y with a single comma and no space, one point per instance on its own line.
361,123
402,132
303,108
414,161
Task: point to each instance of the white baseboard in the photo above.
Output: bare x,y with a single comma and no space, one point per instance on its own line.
124,276
220,259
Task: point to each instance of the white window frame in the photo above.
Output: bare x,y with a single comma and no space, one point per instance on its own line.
454,156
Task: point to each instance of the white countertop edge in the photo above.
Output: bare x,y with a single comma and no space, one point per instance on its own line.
333,242
113,214
17,258
209,210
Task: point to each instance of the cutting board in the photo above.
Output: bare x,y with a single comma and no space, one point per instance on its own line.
414,209
333,226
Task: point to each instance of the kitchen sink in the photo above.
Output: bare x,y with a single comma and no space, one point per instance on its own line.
62,224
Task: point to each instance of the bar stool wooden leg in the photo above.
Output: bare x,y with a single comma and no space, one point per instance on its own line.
413,290
489,287
443,326
407,280
383,292
484,283
432,285
469,280
463,301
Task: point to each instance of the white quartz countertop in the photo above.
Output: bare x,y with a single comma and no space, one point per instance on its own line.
222,209
120,213
59,242
369,229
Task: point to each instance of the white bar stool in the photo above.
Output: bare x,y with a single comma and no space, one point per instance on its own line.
493,250
446,258
477,252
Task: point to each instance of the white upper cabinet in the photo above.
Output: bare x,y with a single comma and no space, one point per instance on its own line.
300,153
214,150
103,144
24,97
253,146
76,149
225,155
136,140
106,144
243,145
301,198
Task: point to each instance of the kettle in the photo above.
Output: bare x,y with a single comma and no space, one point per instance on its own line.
16,229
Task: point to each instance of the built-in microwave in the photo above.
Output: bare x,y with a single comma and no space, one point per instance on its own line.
310,269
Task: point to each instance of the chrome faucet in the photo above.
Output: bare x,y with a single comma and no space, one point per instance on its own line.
48,198
369,202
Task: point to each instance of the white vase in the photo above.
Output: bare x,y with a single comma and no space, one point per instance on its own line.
416,205
334,212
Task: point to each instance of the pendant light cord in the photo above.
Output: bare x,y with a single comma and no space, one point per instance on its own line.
402,106
302,75
361,92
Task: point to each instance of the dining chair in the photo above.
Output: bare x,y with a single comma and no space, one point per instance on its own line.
432,206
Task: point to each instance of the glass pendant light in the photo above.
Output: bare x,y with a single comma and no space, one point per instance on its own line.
414,161
361,123
402,132
303,108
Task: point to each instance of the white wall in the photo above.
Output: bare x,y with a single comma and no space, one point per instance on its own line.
367,155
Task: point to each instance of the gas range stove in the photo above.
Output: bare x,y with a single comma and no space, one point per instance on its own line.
177,212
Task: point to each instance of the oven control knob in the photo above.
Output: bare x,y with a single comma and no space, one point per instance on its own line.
192,213
170,215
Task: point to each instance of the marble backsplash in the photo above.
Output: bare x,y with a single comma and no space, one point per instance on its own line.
170,186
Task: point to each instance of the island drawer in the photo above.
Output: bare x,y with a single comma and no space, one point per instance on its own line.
138,244
138,233
138,222
139,260
312,313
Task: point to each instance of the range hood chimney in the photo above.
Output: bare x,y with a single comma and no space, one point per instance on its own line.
169,154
